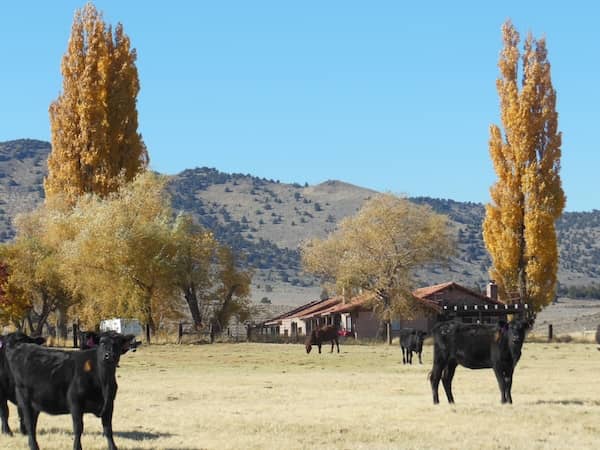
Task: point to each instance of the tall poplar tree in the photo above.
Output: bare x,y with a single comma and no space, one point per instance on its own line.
527,199
95,142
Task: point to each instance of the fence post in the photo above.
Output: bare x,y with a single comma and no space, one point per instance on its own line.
75,333
148,333
550,332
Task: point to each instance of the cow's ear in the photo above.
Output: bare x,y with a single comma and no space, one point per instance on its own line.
127,343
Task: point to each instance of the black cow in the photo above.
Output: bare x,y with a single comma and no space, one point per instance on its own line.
88,339
477,346
68,382
320,335
411,340
7,384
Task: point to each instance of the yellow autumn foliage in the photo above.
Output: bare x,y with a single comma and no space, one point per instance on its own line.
95,142
527,199
379,249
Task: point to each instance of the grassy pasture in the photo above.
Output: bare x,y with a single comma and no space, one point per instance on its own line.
234,396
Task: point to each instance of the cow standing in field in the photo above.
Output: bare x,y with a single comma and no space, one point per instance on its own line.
68,382
411,340
320,335
477,346
7,383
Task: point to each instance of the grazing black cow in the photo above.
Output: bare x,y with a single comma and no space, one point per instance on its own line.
7,383
68,382
319,335
477,346
88,339
411,340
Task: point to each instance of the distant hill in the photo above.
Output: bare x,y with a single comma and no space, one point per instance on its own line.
22,170
267,221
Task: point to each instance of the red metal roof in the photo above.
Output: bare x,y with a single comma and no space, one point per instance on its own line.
336,305
428,293
307,308
316,309
355,303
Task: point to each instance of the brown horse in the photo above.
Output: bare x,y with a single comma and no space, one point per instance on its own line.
319,335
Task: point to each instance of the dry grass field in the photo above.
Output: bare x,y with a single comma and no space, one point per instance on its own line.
269,396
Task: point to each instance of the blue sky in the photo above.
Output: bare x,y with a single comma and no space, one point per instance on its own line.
394,96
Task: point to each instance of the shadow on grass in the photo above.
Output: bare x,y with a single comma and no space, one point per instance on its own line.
133,435
569,401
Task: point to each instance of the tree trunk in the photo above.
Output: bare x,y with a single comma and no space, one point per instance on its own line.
522,267
29,322
147,310
37,327
221,315
192,301
61,322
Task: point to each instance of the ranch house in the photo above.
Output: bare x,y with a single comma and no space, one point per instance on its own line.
355,316
449,299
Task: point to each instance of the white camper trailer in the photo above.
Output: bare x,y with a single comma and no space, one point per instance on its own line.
124,326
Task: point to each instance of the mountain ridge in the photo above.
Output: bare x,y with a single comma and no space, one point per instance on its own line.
268,220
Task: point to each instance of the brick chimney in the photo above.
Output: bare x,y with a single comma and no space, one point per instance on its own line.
491,290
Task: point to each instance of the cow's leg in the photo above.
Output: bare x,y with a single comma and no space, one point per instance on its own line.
501,383
107,427
337,343
434,377
29,417
420,360
403,357
22,426
409,356
77,416
508,376
447,376
34,419
319,344
332,344
4,414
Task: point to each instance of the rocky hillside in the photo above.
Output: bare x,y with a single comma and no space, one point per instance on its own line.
267,221
22,171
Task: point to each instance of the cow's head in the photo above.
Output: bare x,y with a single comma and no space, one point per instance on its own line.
420,338
310,340
515,332
112,345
